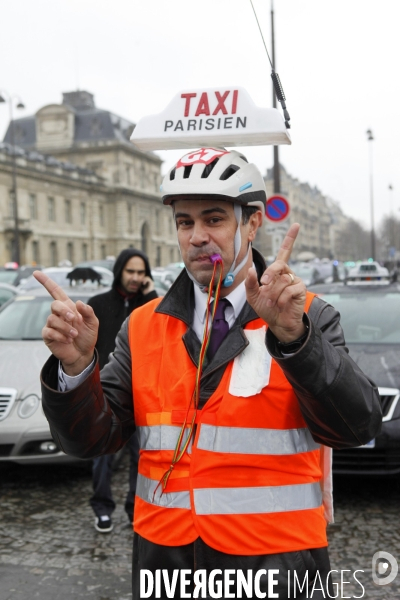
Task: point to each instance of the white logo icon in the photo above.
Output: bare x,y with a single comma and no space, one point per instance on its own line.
380,568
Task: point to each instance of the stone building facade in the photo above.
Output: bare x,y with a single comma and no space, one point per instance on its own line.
84,190
320,217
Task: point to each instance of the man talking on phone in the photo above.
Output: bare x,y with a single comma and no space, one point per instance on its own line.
133,286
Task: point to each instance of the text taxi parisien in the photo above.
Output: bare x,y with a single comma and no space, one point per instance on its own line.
208,111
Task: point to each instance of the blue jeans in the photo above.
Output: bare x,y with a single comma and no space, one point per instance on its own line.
102,500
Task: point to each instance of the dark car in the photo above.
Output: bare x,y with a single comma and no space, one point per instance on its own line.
370,317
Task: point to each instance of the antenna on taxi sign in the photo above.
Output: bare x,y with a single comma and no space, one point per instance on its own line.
274,76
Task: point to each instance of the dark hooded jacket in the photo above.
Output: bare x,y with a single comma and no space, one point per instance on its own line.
113,307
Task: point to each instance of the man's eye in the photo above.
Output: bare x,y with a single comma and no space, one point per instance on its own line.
183,223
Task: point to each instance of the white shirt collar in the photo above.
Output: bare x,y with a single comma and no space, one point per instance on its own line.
237,298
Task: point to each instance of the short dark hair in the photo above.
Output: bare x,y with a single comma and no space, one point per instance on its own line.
247,211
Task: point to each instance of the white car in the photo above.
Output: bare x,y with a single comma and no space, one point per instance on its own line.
24,431
367,273
60,276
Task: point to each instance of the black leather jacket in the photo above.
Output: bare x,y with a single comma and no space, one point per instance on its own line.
339,404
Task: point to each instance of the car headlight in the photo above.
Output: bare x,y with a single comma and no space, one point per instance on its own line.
28,406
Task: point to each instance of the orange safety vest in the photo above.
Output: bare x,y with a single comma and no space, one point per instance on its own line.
250,482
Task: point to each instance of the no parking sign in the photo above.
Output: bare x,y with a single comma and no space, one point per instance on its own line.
277,208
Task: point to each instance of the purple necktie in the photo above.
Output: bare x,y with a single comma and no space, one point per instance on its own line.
219,329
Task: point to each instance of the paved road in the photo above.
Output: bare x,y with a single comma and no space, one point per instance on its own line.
50,550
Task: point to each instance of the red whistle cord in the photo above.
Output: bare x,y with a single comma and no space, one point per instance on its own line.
182,443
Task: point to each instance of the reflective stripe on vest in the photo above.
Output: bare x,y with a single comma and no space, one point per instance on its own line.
231,501
252,500
160,437
249,440
145,488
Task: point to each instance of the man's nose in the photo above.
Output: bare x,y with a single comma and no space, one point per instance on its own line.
199,235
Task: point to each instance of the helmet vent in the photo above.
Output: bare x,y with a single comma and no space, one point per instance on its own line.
186,172
172,174
229,171
208,168
243,158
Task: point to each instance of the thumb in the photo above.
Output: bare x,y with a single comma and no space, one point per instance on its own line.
252,286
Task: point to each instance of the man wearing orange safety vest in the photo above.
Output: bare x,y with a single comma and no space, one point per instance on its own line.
235,426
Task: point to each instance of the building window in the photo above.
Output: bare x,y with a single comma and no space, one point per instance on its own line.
11,203
35,252
129,217
32,206
101,215
142,175
11,249
158,256
53,254
68,211
84,252
51,209
145,238
95,166
83,213
103,251
158,222
171,255
128,174
70,252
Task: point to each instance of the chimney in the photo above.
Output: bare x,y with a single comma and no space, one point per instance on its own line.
80,100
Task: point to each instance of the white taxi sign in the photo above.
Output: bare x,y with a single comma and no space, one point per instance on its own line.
211,117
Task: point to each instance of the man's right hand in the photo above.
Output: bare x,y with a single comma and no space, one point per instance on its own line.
71,330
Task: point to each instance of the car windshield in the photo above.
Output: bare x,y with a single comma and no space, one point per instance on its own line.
8,276
24,318
367,317
59,277
5,295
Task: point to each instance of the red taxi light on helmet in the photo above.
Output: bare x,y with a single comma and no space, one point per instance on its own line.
216,173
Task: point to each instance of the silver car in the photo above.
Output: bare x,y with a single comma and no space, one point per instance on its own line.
24,431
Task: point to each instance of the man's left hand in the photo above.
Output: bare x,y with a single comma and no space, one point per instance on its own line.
280,298
147,285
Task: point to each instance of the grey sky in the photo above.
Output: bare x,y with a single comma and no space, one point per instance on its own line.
337,59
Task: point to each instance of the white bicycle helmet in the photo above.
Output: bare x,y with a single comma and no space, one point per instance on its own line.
216,173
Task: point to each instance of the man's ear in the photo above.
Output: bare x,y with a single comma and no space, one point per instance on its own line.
254,223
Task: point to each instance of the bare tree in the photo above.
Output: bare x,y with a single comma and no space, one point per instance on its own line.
354,242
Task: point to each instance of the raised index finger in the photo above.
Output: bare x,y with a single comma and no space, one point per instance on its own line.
286,248
51,286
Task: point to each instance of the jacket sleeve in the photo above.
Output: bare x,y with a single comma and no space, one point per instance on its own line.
97,416
339,403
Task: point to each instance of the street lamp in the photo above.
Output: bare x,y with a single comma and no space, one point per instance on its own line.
370,138
392,226
6,97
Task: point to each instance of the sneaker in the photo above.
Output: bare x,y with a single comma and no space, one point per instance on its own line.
103,524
